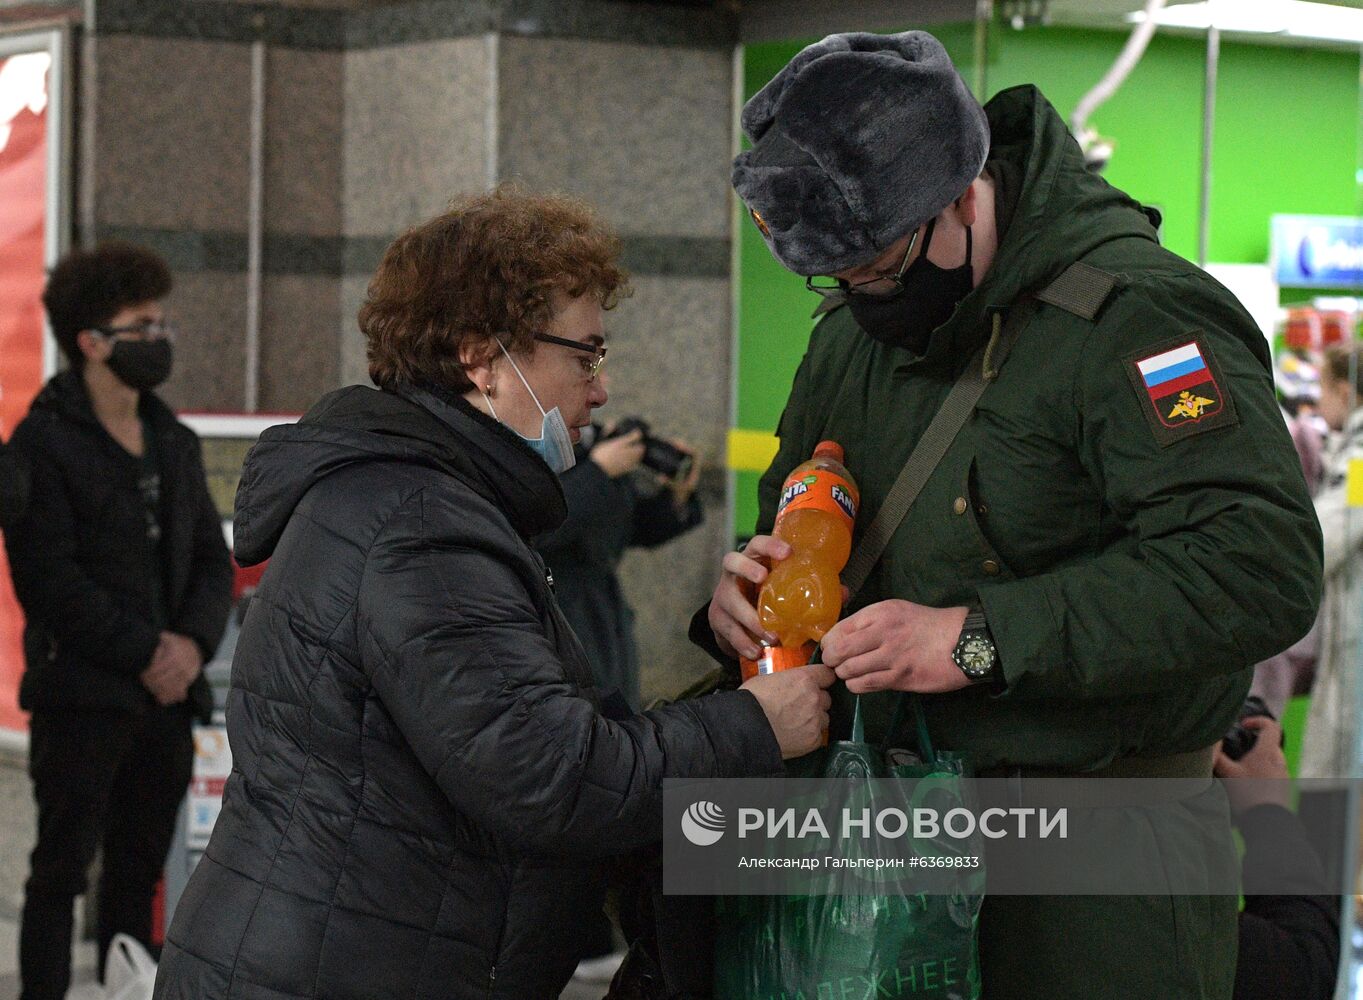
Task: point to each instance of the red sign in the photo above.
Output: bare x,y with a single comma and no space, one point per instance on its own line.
24,88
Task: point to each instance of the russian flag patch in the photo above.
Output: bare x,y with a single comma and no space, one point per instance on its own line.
1181,390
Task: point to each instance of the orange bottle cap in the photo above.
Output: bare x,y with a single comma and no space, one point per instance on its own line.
829,449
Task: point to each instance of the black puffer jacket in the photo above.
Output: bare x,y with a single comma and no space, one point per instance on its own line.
423,791
13,485
79,554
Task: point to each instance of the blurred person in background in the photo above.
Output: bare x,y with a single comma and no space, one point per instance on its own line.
1289,944
614,502
120,567
1297,382
425,790
1328,743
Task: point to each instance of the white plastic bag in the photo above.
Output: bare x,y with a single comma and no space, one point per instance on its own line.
129,971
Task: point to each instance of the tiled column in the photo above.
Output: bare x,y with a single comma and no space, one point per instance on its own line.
644,131
165,149
171,134
418,130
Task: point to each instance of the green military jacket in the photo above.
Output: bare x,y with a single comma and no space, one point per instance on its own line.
1135,550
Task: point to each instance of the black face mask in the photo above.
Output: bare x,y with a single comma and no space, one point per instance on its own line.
925,299
141,364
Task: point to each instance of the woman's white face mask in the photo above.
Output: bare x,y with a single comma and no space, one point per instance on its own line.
554,444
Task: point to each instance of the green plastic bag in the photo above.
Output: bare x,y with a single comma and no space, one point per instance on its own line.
839,944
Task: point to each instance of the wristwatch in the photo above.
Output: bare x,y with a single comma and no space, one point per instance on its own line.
975,652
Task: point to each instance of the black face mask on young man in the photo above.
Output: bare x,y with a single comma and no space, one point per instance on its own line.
141,364
925,299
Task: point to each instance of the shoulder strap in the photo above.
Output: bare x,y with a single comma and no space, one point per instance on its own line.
1081,290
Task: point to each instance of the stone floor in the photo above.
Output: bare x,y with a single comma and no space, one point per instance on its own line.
16,839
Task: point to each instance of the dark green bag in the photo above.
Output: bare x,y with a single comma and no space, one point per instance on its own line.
842,943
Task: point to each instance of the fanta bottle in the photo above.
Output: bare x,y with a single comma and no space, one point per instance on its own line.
802,598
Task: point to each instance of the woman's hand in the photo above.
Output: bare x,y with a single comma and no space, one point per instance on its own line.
796,703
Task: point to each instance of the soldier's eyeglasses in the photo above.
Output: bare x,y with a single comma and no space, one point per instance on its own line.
841,287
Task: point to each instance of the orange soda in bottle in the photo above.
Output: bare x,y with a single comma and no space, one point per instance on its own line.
802,597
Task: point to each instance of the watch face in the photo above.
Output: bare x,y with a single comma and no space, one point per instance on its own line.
975,656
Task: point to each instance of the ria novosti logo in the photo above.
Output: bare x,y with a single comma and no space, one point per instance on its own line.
703,823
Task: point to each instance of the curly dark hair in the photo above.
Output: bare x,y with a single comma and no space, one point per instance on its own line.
487,268
88,288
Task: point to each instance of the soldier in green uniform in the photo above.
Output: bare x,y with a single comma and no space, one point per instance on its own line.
1121,526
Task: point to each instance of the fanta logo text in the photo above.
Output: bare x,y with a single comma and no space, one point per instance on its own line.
844,500
790,493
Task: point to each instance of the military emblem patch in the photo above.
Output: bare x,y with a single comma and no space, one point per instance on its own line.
1181,390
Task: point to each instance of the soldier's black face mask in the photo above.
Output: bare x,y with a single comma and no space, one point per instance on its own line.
925,299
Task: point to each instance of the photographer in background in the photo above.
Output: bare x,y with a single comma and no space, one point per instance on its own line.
612,506
1289,945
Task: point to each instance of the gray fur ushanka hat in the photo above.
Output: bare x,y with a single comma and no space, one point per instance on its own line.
859,140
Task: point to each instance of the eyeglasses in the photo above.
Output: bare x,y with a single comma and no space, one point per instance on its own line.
150,330
589,366
840,287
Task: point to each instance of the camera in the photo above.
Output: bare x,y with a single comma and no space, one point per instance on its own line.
1239,741
663,458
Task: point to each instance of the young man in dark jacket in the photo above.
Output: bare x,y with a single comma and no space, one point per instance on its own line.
1120,531
121,568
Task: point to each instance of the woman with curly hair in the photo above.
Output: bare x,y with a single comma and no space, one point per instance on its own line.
424,789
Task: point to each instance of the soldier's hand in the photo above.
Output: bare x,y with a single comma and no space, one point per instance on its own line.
733,614
897,646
